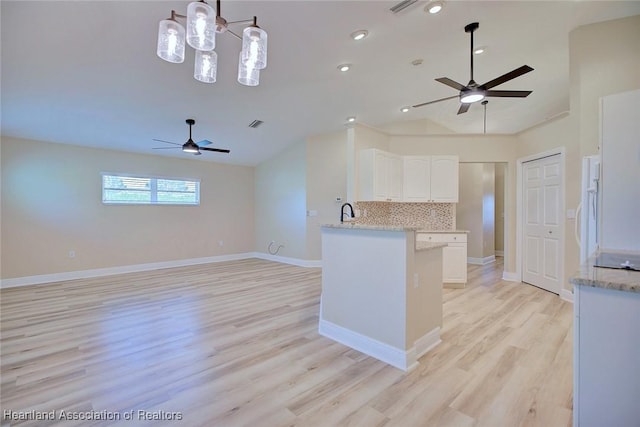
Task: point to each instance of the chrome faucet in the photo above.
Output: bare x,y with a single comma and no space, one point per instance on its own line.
342,212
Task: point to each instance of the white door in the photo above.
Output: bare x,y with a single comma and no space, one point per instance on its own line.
542,197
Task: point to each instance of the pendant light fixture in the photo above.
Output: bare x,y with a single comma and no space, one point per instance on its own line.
203,22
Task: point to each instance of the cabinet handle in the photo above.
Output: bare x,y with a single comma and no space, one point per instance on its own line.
455,238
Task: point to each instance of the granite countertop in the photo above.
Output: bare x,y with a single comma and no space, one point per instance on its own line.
425,246
607,278
360,226
422,230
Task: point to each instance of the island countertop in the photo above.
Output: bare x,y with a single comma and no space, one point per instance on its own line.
607,278
351,225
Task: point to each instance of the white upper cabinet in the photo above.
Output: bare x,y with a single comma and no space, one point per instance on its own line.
417,179
380,176
389,177
444,179
431,179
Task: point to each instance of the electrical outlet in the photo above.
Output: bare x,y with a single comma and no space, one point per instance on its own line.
433,213
72,254
220,242
416,280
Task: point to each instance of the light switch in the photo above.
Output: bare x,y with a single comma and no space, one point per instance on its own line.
571,214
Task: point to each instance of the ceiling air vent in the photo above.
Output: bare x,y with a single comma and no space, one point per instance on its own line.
402,5
255,123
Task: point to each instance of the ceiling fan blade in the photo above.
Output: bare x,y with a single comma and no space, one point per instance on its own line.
165,148
437,100
508,93
204,142
506,77
463,108
219,150
451,83
168,142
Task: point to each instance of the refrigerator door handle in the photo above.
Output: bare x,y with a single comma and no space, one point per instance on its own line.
576,224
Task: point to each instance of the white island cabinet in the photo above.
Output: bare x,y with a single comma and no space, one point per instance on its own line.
606,347
454,255
381,291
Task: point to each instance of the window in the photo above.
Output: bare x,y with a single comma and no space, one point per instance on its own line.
149,190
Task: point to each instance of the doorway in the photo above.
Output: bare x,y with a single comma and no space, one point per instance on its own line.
541,219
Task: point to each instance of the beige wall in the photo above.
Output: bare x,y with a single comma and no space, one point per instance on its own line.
604,59
280,203
469,208
51,204
416,127
499,207
488,209
326,181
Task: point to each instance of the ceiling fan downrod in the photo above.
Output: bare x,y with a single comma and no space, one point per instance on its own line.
470,28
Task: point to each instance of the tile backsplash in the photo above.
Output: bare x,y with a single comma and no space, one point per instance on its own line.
429,216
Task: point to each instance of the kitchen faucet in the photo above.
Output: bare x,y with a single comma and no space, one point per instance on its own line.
342,212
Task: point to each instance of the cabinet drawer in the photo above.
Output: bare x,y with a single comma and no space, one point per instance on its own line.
442,237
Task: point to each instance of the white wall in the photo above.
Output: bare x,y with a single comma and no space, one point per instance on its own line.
281,203
52,204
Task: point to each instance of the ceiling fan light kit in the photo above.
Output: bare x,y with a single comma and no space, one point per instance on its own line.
202,25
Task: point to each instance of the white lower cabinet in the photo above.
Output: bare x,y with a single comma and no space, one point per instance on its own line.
454,256
606,353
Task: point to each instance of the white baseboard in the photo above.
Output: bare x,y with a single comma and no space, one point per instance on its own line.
427,342
287,260
499,253
510,276
481,261
109,271
401,359
566,295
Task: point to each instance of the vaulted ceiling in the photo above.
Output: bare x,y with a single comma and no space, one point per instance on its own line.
87,73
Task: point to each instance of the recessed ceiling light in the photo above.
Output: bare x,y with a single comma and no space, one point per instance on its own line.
434,7
417,62
351,119
479,50
344,67
405,109
359,35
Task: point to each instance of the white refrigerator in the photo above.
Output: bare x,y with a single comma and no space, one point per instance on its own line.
588,211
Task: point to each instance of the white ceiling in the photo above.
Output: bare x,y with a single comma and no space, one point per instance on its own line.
86,73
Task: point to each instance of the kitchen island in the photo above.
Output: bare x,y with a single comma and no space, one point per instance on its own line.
606,355
381,291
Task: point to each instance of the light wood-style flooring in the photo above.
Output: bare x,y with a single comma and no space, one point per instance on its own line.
236,344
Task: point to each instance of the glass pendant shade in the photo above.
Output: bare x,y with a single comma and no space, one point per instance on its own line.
254,47
248,75
171,36
206,66
201,26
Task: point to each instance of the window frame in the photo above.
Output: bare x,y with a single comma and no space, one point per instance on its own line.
153,189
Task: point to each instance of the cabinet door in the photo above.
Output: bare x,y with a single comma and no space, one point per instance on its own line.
417,179
380,176
394,178
444,179
454,263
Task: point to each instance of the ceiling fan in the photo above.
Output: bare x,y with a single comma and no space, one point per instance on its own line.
190,146
473,92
